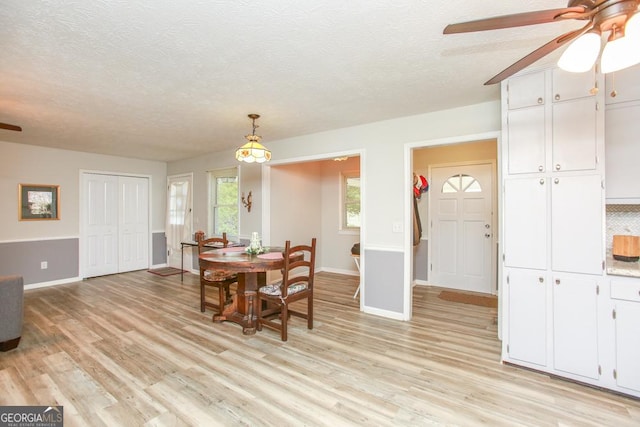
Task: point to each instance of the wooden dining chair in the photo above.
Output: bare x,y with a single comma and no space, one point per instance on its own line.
296,284
220,279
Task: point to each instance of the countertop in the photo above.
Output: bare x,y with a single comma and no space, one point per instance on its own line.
622,268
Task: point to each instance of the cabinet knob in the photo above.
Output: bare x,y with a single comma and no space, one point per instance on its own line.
540,168
541,181
556,181
541,279
539,100
558,167
557,97
557,281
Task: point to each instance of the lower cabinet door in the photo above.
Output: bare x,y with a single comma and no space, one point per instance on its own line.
627,320
575,325
527,339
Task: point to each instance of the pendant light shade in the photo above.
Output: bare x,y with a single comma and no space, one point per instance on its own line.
582,53
632,29
253,151
619,54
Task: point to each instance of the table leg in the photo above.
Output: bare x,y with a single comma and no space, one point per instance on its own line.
244,308
181,262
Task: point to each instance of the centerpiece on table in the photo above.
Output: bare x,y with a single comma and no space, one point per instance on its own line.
255,246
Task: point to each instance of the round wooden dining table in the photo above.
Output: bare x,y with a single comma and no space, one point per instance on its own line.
252,273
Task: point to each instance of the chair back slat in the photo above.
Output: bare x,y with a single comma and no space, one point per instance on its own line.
211,243
298,271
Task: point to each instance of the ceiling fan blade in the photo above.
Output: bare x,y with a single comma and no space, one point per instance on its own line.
538,53
10,127
515,20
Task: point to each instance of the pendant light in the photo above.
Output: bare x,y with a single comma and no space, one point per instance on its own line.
253,151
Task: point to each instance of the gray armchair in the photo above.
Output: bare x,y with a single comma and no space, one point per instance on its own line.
11,311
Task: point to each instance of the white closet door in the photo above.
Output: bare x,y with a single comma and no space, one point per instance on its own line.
133,224
101,225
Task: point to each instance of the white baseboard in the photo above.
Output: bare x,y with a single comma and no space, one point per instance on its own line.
51,283
158,266
383,313
337,271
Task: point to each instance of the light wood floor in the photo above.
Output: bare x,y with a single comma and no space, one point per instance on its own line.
134,349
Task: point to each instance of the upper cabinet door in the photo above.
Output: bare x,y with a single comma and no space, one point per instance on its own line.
526,140
622,149
526,90
568,86
623,85
574,135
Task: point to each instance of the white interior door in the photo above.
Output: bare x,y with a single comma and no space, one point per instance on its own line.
461,238
100,224
179,219
133,224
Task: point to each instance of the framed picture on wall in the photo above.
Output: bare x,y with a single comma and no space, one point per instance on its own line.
38,202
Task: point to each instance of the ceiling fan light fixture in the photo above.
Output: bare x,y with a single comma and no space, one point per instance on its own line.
253,151
582,53
632,27
620,53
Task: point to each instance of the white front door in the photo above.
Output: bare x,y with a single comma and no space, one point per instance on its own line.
179,222
460,212
133,224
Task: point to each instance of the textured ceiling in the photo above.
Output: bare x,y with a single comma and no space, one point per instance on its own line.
166,80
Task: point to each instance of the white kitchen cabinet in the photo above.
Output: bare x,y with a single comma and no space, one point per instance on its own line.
553,226
623,85
625,293
560,136
574,144
572,239
527,142
526,90
577,224
566,85
622,148
527,316
575,324
525,222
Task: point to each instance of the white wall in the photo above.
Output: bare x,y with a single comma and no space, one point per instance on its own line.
250,179
29,164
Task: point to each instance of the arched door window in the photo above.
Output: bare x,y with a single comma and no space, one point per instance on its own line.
461,183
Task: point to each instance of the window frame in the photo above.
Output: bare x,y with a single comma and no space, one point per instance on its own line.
343,224
213,207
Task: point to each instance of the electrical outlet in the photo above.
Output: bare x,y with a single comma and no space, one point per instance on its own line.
397,227
44,265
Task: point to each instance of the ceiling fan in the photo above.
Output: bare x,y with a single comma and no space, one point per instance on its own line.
7,126
601,16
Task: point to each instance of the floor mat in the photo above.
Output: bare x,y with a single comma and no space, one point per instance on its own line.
482,300
166,271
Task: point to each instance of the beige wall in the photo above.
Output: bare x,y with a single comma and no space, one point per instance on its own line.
31,164
305,200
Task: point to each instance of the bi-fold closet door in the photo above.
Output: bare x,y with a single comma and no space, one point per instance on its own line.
116,224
